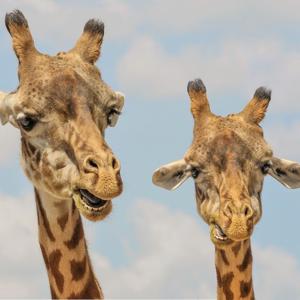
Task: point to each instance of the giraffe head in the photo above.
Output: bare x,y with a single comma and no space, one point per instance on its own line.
62,108
228,160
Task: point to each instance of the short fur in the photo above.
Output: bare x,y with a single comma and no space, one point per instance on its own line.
228,159
70,106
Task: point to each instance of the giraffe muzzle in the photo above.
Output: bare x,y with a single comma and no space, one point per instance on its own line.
238,230
90,206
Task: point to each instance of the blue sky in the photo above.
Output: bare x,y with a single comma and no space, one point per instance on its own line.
154,238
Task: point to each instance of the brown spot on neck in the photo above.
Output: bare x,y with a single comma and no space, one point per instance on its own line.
62,221
78,268
246,260
236,248
224,257
77,235
245,288
219,279
54,259
90,291
225,283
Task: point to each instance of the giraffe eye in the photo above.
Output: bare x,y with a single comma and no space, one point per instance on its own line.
27,123
265,167
195,172
112,116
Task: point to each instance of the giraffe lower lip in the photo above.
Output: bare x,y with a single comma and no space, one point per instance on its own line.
91,200
219,234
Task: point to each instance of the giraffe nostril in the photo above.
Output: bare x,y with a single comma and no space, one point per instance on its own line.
115,163
248,211
92,164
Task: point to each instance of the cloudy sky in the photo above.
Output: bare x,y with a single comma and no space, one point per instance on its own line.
154,245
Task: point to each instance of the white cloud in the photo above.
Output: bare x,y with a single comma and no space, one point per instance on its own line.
22,273
53,22
276,274
192,16
10,143
284,139
177,17
149,71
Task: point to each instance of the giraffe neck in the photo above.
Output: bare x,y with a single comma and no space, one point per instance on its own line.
64,249
234,271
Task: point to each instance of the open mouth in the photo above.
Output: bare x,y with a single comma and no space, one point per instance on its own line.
219,234
90,201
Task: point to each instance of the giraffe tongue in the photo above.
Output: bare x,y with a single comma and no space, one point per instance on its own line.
92,200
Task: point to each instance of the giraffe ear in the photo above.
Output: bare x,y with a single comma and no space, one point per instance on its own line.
23,43
4,111
6,108
172,175
255,110
286,172
89,44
